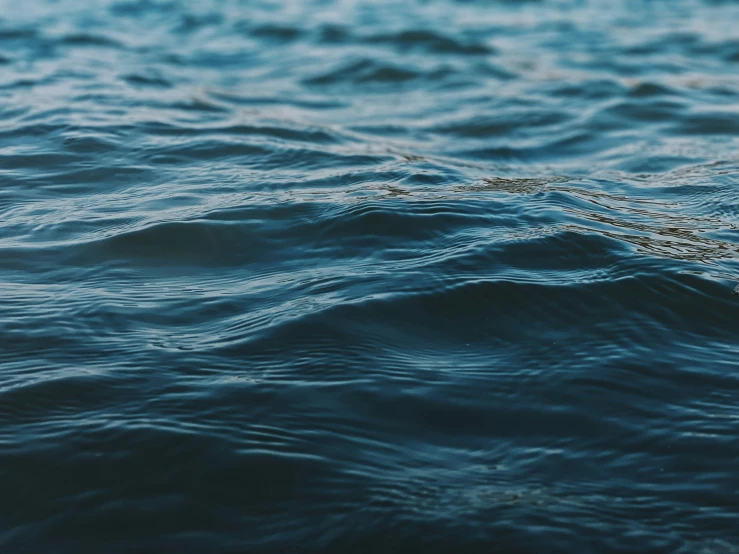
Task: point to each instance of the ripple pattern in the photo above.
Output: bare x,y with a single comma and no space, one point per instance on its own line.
347,276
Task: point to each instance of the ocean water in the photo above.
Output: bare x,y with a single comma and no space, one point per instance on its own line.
328,276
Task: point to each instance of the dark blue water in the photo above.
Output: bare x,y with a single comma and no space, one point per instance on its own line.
328,276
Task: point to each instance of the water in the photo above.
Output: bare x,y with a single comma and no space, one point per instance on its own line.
333,276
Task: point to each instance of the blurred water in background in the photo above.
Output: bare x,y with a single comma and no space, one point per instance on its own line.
369,276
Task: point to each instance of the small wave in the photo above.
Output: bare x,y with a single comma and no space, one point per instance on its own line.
89,39
431,42
370,72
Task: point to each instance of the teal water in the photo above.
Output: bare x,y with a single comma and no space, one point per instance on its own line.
332,276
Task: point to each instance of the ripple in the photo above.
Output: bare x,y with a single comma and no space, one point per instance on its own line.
89,39
431,42
366,71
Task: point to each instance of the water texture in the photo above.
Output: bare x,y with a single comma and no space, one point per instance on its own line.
329,276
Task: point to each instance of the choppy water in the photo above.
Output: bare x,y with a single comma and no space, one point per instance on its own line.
369,276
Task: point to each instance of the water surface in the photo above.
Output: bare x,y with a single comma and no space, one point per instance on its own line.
333,276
